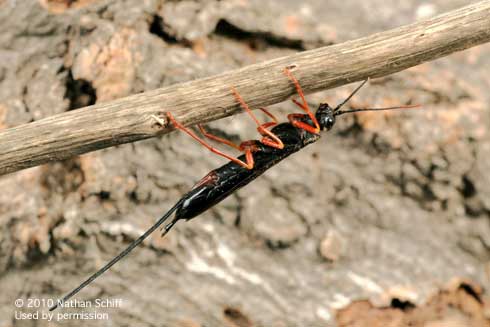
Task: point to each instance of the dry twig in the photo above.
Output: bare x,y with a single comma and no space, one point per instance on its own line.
129,119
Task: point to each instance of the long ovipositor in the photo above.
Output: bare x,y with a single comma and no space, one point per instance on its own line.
279,142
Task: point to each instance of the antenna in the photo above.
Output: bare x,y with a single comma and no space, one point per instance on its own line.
338,112
122,254
351,95
341,112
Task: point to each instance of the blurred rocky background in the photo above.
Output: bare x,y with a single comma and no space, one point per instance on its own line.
383,222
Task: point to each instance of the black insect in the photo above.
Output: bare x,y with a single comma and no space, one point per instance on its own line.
278,142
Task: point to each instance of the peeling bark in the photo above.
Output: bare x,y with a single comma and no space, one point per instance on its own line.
385,220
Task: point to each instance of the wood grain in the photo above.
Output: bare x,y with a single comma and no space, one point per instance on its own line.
129,119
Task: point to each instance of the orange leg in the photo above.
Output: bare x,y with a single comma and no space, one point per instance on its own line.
266,139
294,119
269,138
265,111
304,106
217,138
229,143
247,147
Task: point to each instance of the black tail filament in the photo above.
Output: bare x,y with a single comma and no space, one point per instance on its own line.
121,255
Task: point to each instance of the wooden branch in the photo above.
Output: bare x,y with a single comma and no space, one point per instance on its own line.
129,119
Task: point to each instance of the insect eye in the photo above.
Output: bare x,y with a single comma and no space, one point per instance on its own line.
329,122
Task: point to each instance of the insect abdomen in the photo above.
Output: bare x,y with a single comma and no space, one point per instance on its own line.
215,187
222,182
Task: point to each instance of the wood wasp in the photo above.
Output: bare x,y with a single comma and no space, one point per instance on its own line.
279,140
